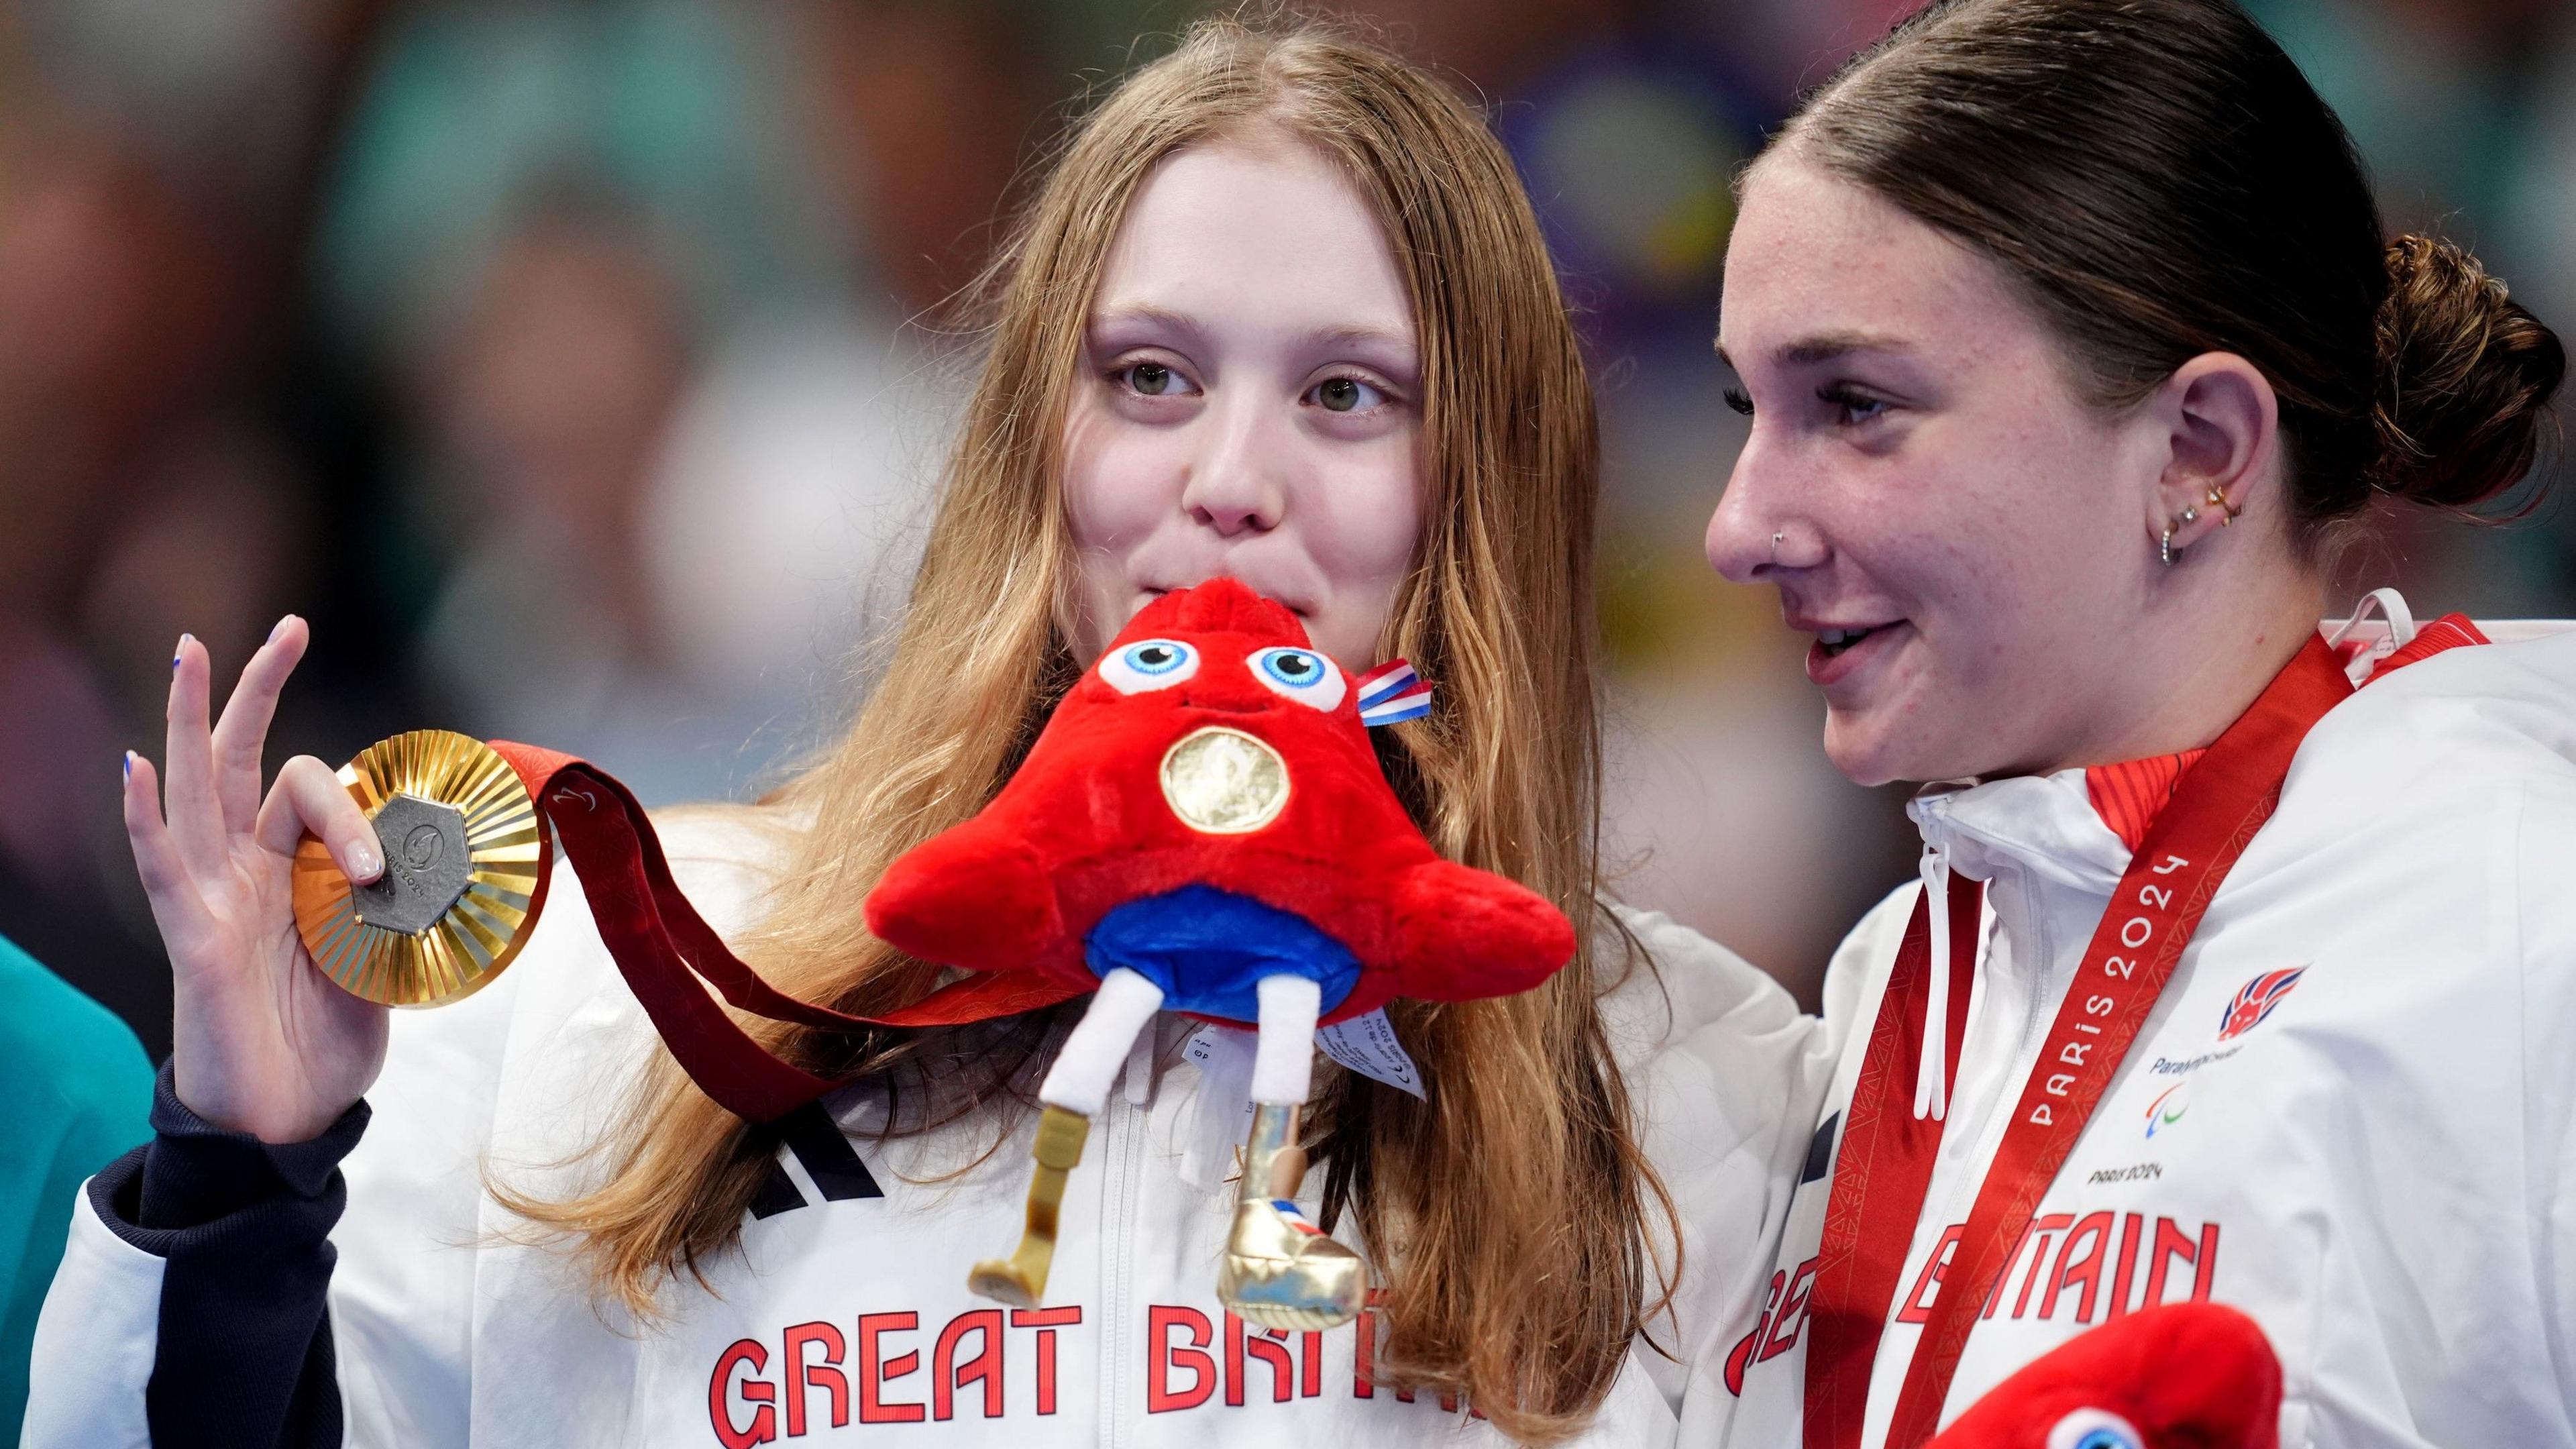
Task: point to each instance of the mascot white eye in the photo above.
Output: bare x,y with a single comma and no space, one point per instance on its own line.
2095,1429
1300,674
1149,664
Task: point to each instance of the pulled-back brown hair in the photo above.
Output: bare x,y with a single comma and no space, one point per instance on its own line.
1510,1215
2163,182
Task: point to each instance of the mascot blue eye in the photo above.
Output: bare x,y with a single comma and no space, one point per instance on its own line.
1149,664
1293,667
1156,657
1300,674
2095,1429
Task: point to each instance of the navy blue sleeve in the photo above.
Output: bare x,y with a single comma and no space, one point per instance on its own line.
244,1347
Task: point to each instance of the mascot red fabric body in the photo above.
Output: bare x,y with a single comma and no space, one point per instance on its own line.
1211,750
2178,1376
1203,826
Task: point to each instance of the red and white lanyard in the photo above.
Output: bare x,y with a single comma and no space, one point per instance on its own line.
1883,1169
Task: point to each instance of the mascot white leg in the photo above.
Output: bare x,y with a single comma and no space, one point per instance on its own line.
1280,1270
1075,1089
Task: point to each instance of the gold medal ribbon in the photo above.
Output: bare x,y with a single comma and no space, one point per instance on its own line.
468,831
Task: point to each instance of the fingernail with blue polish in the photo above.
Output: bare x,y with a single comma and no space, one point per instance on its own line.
129,764
182,651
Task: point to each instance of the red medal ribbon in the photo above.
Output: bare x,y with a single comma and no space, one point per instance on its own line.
671,958
1881,1175
1887,1155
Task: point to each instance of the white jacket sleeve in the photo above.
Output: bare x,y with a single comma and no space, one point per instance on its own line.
216,1290
1724,1074
2546,853
94,1342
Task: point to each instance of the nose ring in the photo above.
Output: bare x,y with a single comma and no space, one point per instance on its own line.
1775,544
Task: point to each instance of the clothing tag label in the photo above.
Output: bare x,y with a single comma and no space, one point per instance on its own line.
1202,1047
1367,1045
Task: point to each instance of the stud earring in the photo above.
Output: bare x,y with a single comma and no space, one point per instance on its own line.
2164,546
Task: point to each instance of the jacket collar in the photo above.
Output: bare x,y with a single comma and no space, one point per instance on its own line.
2053,826
2043,826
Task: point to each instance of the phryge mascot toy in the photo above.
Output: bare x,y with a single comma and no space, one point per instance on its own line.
1203,827
2176,1376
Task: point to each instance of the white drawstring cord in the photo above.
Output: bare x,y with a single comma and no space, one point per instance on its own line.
1931,1079
2368,653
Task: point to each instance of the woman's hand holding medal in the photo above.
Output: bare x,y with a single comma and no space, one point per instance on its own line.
262,1041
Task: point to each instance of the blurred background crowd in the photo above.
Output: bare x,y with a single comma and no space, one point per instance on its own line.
576,367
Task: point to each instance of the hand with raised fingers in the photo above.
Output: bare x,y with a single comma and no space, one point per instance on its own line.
261,1041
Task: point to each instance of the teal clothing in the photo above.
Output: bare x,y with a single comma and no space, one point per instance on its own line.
78,1090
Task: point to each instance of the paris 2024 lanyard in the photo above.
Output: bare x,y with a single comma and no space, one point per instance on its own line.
1884,1168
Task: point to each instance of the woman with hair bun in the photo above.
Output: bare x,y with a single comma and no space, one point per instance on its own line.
2244,950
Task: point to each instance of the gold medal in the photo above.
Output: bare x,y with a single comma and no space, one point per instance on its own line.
464,848
1224,782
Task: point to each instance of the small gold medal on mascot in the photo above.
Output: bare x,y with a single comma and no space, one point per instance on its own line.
463,845
1224,782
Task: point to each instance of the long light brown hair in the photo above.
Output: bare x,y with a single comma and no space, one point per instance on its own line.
1509,1216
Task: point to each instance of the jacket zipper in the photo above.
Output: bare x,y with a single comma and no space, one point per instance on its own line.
1123,1123
2024,1060
2027,1047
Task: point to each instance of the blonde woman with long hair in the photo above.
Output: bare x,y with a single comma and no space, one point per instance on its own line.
1281,312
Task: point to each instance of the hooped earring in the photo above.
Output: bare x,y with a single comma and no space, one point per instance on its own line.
2218,500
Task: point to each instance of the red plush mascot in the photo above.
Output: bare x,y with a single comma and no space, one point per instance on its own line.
2178,1376
1203,826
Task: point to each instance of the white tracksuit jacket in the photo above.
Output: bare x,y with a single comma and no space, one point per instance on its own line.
2378,1170
2381,1171
846,1319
